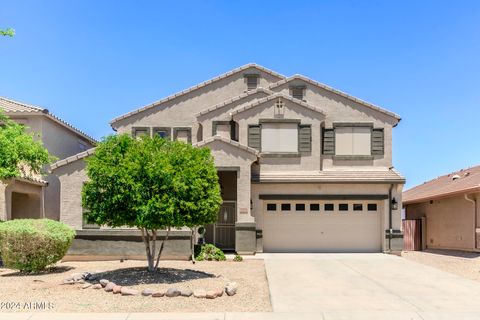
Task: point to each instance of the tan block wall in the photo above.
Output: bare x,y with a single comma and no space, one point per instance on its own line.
450,222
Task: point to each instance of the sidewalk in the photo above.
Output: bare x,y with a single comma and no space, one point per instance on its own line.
337,315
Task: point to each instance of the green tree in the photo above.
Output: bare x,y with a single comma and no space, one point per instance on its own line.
151,184
21,153
7,32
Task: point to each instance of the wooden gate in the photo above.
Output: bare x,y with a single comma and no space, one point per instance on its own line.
412,235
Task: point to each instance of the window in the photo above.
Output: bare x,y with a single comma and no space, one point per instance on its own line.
297,92
372,207
357,207
252,81
286,207
353,141
182,134
279,137
328,207
161,132
314,207
271,207
300,207
138,132
343,207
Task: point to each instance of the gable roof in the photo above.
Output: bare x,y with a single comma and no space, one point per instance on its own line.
196,87
12,107
338,92
272,97
233,100
227,141
75,157
455,183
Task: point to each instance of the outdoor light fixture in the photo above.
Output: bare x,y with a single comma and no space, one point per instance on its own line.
394,204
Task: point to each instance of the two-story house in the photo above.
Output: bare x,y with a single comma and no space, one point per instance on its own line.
39,197
302,167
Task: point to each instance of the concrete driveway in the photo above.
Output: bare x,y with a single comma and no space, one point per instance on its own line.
338,286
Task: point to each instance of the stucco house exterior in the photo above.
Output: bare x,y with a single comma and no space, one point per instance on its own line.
303,167
38,197
447,210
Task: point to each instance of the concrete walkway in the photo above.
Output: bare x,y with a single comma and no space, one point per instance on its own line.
338,286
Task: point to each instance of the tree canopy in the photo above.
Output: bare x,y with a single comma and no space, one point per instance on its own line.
7,32
22,154
150,184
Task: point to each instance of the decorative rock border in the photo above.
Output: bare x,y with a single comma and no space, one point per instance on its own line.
80,278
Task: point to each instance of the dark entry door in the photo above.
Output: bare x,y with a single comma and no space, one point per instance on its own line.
225,227
412,235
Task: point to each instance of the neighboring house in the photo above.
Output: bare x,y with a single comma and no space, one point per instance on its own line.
39,197
448,208
302,167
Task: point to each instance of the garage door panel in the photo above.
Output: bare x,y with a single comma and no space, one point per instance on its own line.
334,231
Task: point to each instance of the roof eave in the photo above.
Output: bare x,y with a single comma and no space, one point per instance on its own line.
442,195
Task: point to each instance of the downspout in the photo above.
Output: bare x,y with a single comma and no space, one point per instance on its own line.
474,201
390,218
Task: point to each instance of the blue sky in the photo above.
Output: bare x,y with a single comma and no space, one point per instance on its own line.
89,61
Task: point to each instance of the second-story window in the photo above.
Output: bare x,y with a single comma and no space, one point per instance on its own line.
279,137
353,141
140,131
252,81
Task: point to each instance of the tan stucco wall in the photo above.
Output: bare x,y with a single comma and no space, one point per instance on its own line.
450,222
306,162
181,112
28,200
72,177
340,109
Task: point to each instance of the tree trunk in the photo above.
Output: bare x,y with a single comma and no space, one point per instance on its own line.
192,244
161,247
150,256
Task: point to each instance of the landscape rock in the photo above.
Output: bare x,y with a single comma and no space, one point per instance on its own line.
86,275
97,286
211,294
117,289
76,276
81,281
104,282
109,286
86,286
186,292
219,292
147,292
231,288
128,292
68,281
158,294
172,292
199,293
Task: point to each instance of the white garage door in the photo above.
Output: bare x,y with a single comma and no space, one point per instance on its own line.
322,226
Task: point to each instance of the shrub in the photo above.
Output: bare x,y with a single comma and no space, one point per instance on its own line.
30,245
210,252
238,258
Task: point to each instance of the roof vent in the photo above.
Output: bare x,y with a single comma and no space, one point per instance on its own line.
455,177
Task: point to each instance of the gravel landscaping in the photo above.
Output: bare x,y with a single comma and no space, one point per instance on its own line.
465,264
196,287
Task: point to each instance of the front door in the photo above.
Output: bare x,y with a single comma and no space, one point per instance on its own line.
224,229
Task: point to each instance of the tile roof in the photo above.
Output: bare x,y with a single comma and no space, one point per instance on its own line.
275,96
338,92
198,86
331,176
229,141
459,182
12,107
71,159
